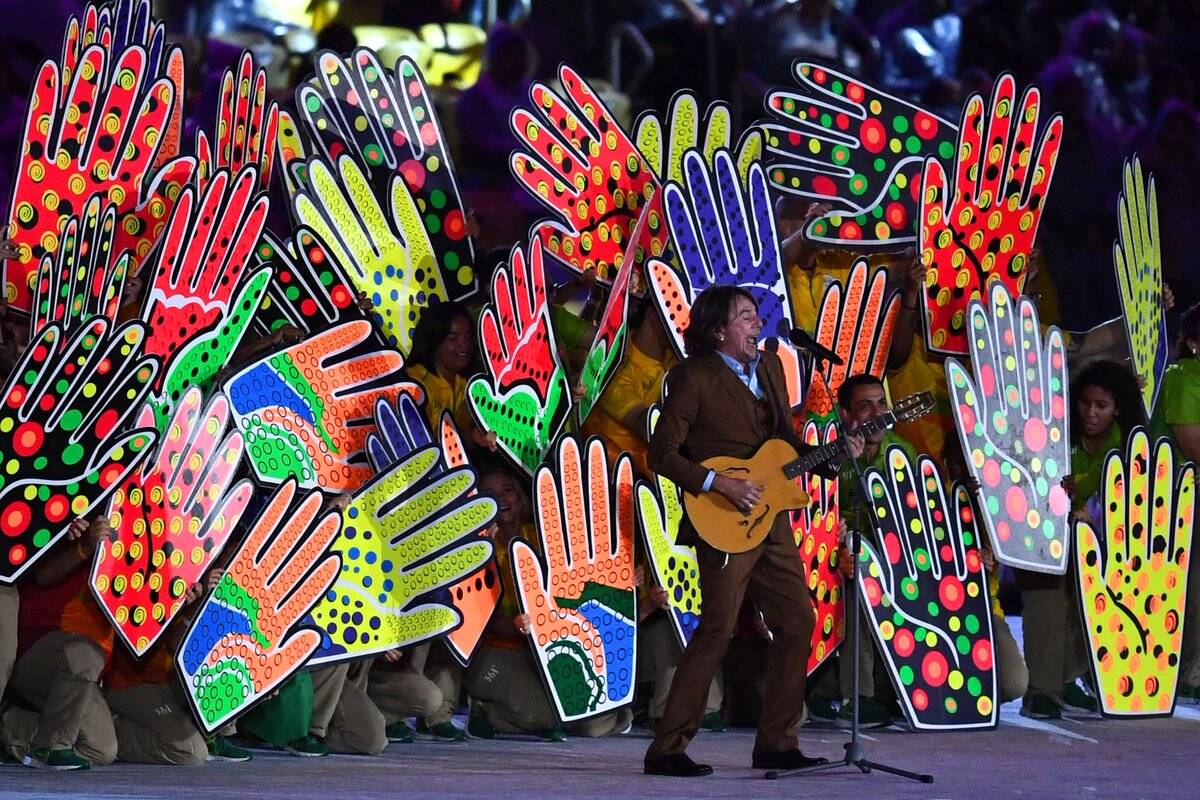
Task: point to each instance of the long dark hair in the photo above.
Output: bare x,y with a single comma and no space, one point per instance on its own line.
432,329
1119,381
710,313
1189,328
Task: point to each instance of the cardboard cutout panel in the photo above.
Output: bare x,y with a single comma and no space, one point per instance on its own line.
926,593
379,240
387,123
202,297
244,641
841,141
674,566
581,599
306,410
982,228
1133,577
401,431
246,127
684,127
1137,258
817,531
1013,419
585,170
856,322
62,430
407,533
523,394
172,519
307,290
95,126
85,278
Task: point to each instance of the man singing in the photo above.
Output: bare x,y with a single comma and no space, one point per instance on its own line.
726,399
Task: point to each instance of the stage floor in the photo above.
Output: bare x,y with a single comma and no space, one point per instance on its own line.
1074,758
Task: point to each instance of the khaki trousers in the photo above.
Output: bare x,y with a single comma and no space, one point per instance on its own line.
343,716
1054,647
402,691
773,574
866,661
154,727
434,661
658,654
1012,676
10,601
57,676
510,688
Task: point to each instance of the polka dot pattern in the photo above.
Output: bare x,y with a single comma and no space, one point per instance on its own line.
408,533
584,169
816,530
523,397
982,229
62,446
94,128
387,123
1138,262
302,408
1012,417
307,290
674,566
925,589
246,128
581,599
838,140
238,649
171,520
1132,572
608,345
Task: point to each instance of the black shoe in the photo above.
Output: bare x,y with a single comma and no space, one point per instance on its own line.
676,765
788,759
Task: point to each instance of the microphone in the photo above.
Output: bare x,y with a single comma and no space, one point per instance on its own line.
802,341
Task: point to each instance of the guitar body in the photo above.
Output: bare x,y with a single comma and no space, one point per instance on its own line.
729,530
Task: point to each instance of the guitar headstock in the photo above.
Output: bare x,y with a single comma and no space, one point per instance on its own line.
913,407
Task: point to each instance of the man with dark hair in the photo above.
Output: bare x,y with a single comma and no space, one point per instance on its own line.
861,398
726,399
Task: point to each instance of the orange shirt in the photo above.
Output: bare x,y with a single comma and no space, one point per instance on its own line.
66,606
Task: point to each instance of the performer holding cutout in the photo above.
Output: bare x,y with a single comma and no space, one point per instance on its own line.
727,398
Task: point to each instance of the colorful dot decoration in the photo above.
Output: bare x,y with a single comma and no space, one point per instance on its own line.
816,532
70,155
386,122
408,533
660,511
724,232
842,141
300,412
60,420
247,124
982,230
926,592
171,521
857,321
237,650
1013,420
523,396
581,598
1132,573
1138,263
307,289
584,169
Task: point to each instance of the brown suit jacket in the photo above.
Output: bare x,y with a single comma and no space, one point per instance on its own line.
709,412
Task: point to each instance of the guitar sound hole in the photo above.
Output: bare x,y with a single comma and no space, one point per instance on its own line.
754,524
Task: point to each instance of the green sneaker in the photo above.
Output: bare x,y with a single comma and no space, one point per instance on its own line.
58,760
478,724
555,734
713,721
1040,706
399,733
221,749
821,710
444,731
871,714
307,747
1075,697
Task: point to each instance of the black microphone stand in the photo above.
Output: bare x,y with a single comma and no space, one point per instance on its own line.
855,755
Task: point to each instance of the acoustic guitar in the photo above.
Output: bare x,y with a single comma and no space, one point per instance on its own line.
775,467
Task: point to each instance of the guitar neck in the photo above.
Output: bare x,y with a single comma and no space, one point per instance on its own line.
815,458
